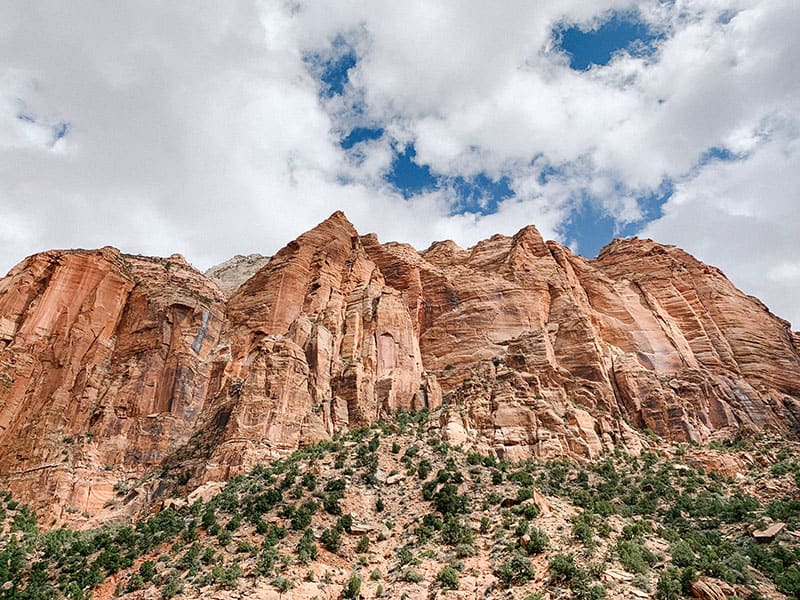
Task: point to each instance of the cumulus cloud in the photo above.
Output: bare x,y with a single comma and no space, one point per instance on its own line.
202,128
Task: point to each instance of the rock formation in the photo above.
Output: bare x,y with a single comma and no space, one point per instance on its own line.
113,366
232,273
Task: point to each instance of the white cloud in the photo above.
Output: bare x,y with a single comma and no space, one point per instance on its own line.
197,127
743,217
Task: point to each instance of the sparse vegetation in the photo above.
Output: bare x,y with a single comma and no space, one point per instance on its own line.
662,520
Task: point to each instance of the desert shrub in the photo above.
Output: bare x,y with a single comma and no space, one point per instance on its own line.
634,556
404,556
682,554
265,564
563,568
515,571
455,532
352,589
282,584
484,525
529,510
345,523
448,578
307,548
309,481
171,587
537,542
363,544
331,503
669,586
331,538
423,469
448,501
411,576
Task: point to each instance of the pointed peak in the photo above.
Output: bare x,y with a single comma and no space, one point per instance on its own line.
338,217
337,221
529,238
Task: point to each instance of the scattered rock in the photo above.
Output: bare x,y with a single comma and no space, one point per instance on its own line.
707,588
768,534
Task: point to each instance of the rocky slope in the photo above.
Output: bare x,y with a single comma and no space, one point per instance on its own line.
114,366
391,511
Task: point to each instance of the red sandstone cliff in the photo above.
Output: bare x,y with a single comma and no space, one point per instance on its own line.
112,366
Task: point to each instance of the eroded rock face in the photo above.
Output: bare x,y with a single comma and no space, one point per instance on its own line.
113,365
317,343
104,367
550,353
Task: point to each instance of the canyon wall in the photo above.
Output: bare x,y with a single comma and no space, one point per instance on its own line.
117,369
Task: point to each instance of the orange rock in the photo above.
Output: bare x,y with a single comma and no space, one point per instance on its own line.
114,365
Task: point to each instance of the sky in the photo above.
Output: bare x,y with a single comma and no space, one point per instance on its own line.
221,128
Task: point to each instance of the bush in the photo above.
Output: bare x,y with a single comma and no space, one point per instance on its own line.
423,469
448,578
454,532
171,588
682,554
404,556
265,565
669,585
282,584
582,529
635,557
448,501
411,576
352,589
484,525
331,539
563,568
345,523
537,542
515,571
331,503
307,548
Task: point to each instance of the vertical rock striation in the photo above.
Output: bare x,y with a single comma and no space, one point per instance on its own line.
114,366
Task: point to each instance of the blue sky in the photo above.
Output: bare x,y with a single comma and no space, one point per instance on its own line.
588,227
232,128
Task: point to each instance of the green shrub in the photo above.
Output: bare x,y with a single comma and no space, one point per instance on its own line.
345,523
563,568
332,539
669,586
455,532
448,501
363,544
307,548
634,556
448,578
515,571
423,469
282,584
352,589
404,556
171,587
411,576
582,528
484,525
537,542
265,564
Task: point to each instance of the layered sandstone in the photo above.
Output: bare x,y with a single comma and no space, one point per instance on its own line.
104,366
551,353
112,366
